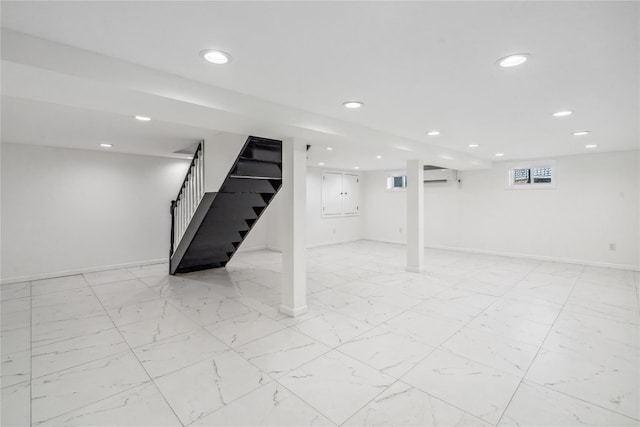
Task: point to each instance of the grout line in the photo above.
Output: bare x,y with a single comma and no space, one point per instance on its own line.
229,348
139,362
441,348
276,380
273,379
577,279
449,286
582,400
434,348
94,402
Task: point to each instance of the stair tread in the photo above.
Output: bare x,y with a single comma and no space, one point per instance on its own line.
254,177
251,159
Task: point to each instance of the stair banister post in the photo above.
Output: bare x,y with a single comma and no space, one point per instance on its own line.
173,228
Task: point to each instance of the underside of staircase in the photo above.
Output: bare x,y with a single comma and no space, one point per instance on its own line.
223,219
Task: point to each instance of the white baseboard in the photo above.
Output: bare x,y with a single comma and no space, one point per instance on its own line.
538,257
251,248
316,245
394,242
337,242
521,256
8,280
30,278
294,312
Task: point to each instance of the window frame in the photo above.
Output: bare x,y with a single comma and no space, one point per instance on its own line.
531,165
397,174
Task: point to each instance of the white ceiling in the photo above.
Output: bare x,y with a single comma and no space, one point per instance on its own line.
417,66
72,127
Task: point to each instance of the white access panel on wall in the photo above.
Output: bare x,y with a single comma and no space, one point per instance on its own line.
350,200
340,194
331,193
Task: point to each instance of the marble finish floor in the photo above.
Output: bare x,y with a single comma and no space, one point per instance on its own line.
473,341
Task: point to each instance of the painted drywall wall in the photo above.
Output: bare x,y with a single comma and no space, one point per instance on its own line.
595,204
67,211
257,237
320,231
220,153
385,211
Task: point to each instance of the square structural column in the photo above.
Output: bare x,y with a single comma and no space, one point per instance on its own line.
294,206
415,216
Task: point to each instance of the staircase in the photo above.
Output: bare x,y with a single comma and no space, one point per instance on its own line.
208,227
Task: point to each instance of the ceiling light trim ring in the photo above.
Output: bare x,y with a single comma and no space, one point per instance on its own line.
513,60
353,104
215,56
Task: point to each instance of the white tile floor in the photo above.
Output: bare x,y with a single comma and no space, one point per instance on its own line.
474,341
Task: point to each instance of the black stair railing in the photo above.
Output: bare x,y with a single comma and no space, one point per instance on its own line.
188,198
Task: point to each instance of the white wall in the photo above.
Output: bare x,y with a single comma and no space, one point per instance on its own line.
385,210
220,153
66,211
595,203
69,210
320,231
257,238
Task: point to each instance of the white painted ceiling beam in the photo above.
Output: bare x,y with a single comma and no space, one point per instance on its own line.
44,71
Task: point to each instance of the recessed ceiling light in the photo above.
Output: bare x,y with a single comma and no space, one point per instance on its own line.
591,146
433,133
143,118
499,154
105,145
378,157
513,60
356,167
353,104
473,146
320,164
580,133
217,57
329,149
562,113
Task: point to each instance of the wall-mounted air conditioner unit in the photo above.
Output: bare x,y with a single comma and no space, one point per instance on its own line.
433,174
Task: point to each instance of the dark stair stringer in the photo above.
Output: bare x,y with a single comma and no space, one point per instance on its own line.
223,219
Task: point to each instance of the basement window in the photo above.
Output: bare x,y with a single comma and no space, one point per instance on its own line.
396,182
531,175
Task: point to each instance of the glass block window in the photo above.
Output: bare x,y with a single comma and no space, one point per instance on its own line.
521,176
542,175
533,174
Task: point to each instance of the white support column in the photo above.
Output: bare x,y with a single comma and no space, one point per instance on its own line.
415,215
294,202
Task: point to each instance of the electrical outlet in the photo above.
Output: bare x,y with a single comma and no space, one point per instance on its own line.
612,246
334,230
400,230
